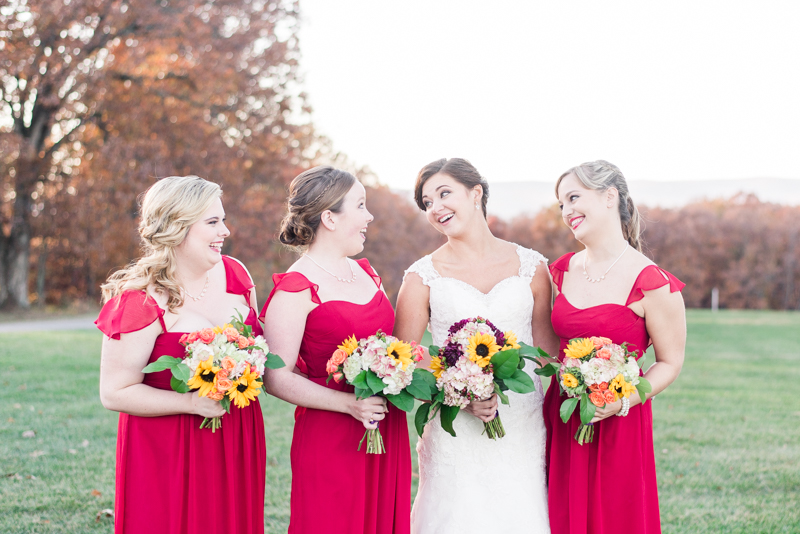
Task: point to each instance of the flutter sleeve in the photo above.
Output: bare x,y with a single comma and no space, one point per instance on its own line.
364,263
559,267
652,277
292,282
238,280
128,312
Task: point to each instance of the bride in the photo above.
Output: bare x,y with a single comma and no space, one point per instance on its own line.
471,483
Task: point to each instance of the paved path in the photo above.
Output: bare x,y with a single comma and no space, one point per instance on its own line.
82,322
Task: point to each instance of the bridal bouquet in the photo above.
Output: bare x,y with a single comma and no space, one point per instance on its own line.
382,365
476,361
224,363
595,372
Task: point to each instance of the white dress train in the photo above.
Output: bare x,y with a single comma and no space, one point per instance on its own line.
471,483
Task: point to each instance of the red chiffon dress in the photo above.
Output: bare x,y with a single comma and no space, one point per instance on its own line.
173,477
336,488
607,486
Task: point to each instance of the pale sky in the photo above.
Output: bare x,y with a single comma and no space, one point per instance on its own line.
525,90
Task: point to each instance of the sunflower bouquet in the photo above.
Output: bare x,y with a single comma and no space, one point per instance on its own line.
477,361
381,365
224,363
596,372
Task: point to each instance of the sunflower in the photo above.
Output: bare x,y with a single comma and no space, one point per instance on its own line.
204,376
511,340
481,348
219,329
436,367
568,380
245,389
349,345
400,351
579,348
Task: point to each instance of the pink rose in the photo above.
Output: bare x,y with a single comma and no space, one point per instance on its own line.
206,335
223,384
222,374
338,377
227,364
243,342
604,353
183,339
339,356
192,338
331,367
418,353
232,334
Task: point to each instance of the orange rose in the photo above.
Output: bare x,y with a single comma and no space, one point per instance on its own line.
600,341
338,377
222,374
232,334
331,367
602,386
339,356
242,342
251,341
192,337
223,385
603,353
206,335
609,396
227,364
597,399
215,394
183,339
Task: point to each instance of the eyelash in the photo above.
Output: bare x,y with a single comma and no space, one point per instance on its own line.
428,203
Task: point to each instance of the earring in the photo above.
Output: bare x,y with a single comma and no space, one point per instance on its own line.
476,206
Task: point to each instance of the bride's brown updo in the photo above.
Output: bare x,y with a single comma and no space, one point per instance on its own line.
310,194
460,170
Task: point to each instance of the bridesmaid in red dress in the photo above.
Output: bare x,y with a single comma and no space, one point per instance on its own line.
324,298
173,477
609,289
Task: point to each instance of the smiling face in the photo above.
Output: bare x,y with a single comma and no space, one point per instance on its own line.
352,220
586,211
202,245
449,205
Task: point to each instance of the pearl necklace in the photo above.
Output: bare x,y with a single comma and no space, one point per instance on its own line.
595,280
345,280
202,293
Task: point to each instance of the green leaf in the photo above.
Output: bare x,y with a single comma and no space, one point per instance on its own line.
162,364
374,383
423,385
421,417
505,363
402,400
360,381
226,403
643,387
439,396
427,377
548,370
182,372
526,350
448,415
274,361
362,393
520,382
501,394
587,409
567,407
433,350
178,385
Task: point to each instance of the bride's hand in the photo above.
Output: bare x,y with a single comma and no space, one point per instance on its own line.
369,411
484,410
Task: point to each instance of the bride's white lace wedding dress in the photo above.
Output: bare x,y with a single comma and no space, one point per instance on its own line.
471,483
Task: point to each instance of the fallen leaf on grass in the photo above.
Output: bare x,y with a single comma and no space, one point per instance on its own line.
85,443
29,434
10,419
17,406
72,451
96,493
36,454
14,476
30,477
108,512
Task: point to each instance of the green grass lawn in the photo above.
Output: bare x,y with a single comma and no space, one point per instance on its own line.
727,432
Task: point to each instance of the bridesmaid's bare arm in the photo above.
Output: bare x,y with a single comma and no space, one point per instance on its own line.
541,325
284,325
121,388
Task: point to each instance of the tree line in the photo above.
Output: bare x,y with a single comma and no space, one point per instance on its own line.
99,98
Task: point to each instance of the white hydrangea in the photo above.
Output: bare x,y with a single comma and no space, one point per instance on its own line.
352,366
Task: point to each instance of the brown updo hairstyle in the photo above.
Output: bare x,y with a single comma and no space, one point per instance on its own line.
310,194
460,170
601,175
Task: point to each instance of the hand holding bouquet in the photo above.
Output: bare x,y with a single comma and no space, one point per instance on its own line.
382,365
477,361
595,372
224,363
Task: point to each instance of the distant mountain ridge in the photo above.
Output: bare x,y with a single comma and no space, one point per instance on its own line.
510,199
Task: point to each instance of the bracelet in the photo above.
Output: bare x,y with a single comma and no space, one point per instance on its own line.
626,407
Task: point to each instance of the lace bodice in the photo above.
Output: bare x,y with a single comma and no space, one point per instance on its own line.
507,473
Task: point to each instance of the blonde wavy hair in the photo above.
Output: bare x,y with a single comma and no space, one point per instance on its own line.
169,207
601,175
